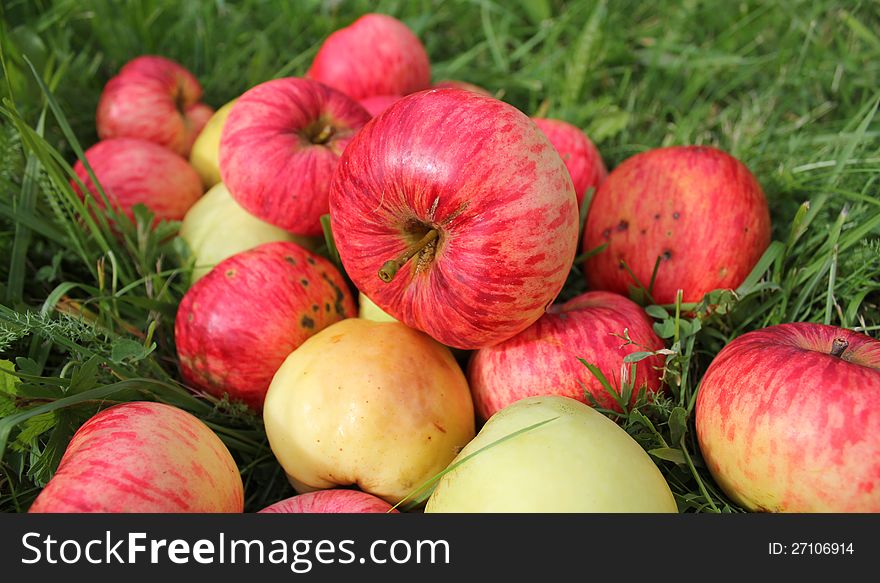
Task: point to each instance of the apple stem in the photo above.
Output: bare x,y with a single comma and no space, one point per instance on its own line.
324,135
389,268
838,347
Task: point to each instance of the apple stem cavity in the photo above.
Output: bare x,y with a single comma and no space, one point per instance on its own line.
838,347
324,135
389,268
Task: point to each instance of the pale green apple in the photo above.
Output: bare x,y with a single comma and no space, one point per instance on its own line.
205,153
370,311
217,227
581,461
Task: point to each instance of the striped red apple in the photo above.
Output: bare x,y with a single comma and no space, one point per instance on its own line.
375,55
279,148
144,457
133,171
696,210
544,359
333,501
788,419
155,99
455,215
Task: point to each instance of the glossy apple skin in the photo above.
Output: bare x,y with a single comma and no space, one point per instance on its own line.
378,103
268,158
336,501
133,171
487,179
543,358
375,55
456,84
376,404
581,157
581,461
238,323
155,99
144,457
216,227
697,208
784,426
205,153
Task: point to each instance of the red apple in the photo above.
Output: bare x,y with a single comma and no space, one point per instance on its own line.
144,457
471,191
375,55
456,84
788,419
378,103
133,171
280,146
543,359
581,157
155,99
336,501
697,210
238,323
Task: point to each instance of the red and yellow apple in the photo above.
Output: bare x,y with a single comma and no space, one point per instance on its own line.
567,458
696,210
133,171
544,358
788,419
238,323
216,227
455,215
144,457
205,153
581,157
375,55
375,404
280,146
335,501
155,99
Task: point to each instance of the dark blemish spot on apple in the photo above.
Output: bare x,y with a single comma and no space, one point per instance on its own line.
622,226
337,301
747,229
657,217
327,307
668,233
310,260
667,255
675,215
189,318
440,427
307,322
230,273
643,231
304,282
316,308
606,233
290,259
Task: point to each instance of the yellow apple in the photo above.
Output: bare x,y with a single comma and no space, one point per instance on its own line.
205,153
370,311
376,404
216,227
578,461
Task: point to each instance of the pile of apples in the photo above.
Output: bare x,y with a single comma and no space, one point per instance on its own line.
456,218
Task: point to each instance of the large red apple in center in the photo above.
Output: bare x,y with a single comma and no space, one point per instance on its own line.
454,214
788,419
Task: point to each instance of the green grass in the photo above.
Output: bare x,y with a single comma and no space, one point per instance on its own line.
790,88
